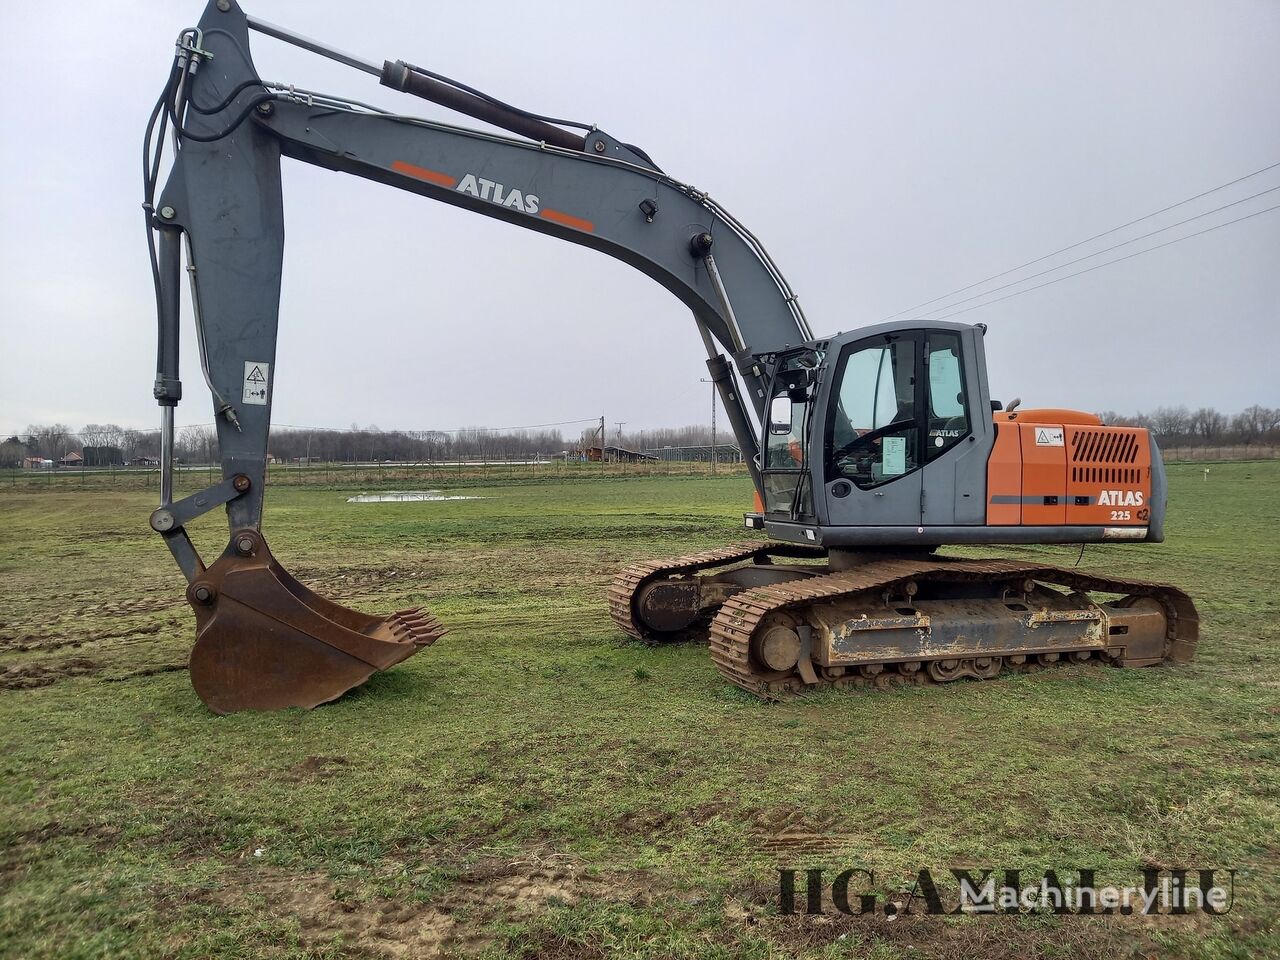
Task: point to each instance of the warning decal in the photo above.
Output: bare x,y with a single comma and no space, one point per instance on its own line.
1049,437
256,376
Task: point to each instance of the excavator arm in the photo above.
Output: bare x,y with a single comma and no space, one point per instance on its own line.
265,640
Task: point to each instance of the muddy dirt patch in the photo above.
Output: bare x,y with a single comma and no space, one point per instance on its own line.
455,922
31,675
315,768
28,676
787,831
949,937
45,643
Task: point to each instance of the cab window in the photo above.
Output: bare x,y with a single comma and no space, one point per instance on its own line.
875,430
786,482
785,451
948,401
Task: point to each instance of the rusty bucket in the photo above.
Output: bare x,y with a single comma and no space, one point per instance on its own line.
266,642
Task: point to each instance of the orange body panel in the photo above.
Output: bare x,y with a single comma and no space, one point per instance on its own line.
1044,475
1072,471
1110,468
1004,478
1051,415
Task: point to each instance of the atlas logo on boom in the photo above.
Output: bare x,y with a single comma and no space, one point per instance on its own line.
495,192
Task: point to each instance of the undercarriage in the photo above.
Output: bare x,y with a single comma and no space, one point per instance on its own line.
785,619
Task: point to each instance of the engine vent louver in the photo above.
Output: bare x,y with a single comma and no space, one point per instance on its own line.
1106,475
1097,456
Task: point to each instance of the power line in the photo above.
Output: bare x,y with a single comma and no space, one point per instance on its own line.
295,426
1098,236
1115,246
528,426
1099,266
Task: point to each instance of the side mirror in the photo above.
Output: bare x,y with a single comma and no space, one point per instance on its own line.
780,415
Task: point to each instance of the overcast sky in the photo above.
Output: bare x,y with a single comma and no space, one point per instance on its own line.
886,153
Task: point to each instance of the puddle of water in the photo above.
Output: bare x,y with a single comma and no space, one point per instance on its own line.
400,496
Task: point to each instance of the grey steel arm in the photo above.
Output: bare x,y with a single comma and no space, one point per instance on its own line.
224,192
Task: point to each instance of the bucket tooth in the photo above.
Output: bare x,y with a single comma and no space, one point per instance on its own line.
266,642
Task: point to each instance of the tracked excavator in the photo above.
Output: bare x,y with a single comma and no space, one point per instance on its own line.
868,450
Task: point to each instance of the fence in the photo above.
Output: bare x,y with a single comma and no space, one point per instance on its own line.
698,453
1244,451
359,476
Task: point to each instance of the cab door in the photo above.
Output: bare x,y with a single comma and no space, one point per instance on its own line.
957,429
786,473
874,447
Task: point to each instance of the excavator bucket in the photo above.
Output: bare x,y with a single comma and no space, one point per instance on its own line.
266,642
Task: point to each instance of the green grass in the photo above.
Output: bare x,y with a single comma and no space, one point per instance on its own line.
537,785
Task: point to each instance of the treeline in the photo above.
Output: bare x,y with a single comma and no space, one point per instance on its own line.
1173,426
199,444
54,442
1204,427
371,444
692,436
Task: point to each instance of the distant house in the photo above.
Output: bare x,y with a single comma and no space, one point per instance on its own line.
36,463
612,453
72,459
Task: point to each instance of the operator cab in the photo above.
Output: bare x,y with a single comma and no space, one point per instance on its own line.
889,427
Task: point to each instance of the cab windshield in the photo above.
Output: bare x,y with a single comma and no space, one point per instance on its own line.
786,475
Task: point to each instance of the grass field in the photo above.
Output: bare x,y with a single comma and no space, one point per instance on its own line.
537,785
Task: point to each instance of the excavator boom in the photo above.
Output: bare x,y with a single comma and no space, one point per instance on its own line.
867,450
265,641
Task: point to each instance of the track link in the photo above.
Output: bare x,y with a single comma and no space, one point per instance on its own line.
735,624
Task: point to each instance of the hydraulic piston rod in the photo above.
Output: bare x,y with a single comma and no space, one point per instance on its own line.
402,76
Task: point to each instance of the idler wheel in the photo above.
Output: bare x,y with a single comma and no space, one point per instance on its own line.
779,648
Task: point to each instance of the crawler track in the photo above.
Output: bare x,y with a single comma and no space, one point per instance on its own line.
735,624
630,580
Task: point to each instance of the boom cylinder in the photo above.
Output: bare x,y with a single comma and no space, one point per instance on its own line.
722,376
400,76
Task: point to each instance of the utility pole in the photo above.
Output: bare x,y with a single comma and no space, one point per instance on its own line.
621,459
713,421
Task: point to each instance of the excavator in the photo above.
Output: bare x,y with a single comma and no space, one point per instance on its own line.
868,450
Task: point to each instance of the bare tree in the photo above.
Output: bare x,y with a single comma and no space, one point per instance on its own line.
1207,424
198,444
11,452
1256,423
139,443
51,442
1170,424
95,435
